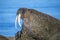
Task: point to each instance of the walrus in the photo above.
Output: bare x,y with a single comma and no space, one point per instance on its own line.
37,25
3,38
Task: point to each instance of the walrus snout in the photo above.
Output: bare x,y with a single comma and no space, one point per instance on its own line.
24,15
20,16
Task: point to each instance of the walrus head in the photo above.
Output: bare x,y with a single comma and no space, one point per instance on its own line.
24,15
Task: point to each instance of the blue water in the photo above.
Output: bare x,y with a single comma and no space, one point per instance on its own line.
8,9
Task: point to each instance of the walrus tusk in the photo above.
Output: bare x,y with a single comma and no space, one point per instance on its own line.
17,21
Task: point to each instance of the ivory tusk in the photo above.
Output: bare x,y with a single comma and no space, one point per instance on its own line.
17,21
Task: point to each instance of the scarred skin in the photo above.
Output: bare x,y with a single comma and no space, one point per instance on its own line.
37,25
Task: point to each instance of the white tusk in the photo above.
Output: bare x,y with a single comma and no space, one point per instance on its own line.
19,17
17,21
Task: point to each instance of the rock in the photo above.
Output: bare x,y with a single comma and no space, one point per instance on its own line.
3,38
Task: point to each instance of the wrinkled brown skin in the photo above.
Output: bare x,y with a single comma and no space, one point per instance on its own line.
3,38
43,26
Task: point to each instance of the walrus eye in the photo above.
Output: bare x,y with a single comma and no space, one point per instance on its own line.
23,11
